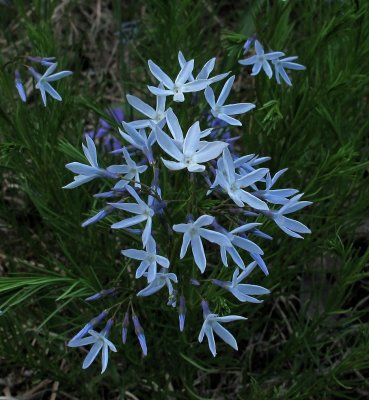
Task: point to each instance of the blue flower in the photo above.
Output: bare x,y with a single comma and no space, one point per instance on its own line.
149,260
205,71
288,225
43,84
275,196
143,213
139,140
285,63
212,324
193,153
193,233
241,242
260,60
87,173
100,341
243,292
161,279
219,110
180,85
131,171
154,116
233,184
89,326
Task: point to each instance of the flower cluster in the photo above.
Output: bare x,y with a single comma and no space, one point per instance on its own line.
42,80
220,191
260,61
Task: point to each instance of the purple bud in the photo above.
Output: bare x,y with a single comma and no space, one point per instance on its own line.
189,218
89,326
125,327
101,294
261,234
194,282
249,42
219,283
45,61
140,334
105,332
99,216
182,312
205,308
34,73
19,86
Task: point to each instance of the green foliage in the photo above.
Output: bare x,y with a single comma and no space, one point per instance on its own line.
309,338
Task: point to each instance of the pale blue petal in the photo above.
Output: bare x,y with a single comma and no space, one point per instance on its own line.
209,152
185,243
104,358
209,95
135,254
82,342
52,92
92,354
174,166
204,220
159,91
215,237
141,106
229,120
57,76
253,201
181,228
211,341
259,48
160,75
168,145
129,222
225,335
184,73
174,127
192,139
195,86
238,108
198,253
225,91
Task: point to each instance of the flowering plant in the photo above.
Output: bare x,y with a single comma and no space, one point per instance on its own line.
223,198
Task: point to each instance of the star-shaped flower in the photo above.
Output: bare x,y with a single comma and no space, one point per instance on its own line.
193,233
149,260
243,292
100,341
85,172
131,171
219,110
234,184
212,324
206,70
43,84
193,152
180,85
154,116
161,279
143,213
139,140
260,60
288,225
285,63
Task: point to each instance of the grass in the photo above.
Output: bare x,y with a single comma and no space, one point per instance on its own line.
309,338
